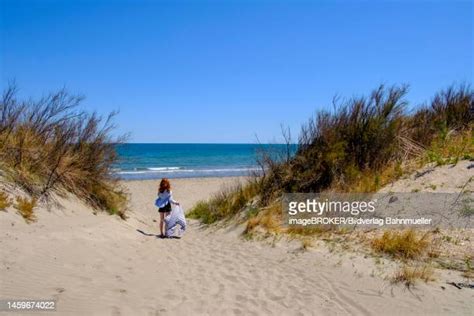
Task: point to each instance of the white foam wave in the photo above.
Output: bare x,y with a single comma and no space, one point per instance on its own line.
180,170
163,168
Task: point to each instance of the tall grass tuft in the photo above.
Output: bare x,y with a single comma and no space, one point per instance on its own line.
5,201
401,244
50,145
25,207
409,275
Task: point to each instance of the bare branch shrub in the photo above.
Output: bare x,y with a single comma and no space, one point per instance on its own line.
50,145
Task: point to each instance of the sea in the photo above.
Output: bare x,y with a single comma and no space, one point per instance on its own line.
155,161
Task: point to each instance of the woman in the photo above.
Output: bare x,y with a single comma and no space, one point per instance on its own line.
163,202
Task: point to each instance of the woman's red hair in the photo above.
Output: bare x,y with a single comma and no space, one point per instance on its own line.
165,185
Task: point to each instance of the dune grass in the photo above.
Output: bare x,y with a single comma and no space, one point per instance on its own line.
269,218
451,147
5,201
51,146
409,275
407,244
25,207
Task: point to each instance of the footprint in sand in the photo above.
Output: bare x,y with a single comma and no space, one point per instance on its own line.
123,291
60,289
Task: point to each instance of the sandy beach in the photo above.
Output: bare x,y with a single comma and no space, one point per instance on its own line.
102,265
322,153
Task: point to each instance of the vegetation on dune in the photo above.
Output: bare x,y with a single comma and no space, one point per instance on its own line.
450,147
409,275
335,148
269,218
366,142
225,204
4,201
25,207
402,244
50,145
361,145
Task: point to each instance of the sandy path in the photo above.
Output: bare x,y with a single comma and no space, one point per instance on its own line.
102,266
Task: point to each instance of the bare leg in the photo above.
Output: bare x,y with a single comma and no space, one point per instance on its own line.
162,222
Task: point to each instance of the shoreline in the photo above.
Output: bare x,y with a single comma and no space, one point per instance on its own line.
184,178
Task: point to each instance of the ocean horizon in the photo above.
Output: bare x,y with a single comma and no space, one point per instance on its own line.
139,161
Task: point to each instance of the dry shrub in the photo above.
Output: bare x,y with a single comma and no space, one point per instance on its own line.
252,223
449,110
409,275
4,201
25,207
50,145
359,135
269,218
407,244
367,142
372,181
361,145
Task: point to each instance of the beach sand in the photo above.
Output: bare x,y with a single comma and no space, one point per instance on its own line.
101,265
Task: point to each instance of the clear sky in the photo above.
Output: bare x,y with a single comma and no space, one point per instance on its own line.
225,71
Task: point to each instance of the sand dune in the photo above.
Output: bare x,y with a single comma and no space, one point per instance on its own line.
101,265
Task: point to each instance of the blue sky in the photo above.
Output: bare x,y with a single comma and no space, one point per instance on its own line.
225,71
